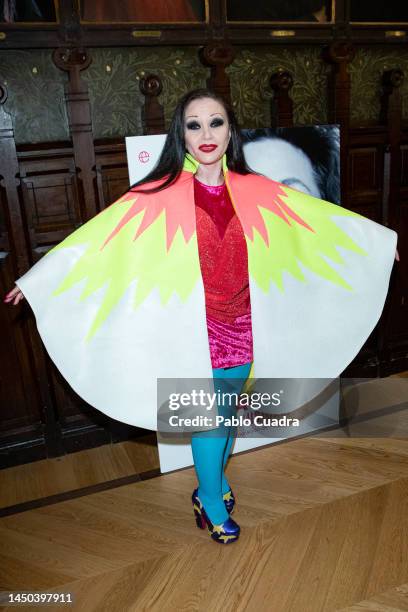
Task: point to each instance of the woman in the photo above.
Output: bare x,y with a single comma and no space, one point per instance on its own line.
200,270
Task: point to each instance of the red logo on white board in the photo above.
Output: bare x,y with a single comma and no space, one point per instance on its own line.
144,157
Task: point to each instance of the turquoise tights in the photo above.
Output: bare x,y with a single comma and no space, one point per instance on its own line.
211,448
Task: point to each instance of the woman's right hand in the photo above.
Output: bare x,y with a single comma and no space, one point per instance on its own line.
15,296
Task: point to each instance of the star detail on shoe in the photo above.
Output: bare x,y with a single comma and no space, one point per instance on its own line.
227,496
218,529
226,538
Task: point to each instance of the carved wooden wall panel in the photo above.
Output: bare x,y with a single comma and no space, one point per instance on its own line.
22,417
365,167
111,172
403,179
396,331
50,198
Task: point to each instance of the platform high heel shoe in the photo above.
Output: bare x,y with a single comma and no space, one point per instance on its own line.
226,533
229,501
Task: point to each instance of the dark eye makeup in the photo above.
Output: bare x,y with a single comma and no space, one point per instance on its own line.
194,125
217,122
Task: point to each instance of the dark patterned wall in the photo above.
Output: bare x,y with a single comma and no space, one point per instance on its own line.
365,71
113,81
36,86
35,95
251,93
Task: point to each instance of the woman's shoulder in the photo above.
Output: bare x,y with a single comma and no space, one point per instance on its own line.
254,185
160,184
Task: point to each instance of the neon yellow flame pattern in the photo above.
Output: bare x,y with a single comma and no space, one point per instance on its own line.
153,244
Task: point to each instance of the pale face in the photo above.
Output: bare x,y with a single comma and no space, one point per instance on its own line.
206,130
283,162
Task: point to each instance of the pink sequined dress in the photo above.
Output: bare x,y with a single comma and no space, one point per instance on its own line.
224,268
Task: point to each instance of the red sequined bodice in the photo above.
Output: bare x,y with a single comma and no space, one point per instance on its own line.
224,267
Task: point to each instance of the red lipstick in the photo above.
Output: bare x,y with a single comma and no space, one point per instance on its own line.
208,148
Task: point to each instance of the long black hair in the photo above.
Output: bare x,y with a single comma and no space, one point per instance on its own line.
171,160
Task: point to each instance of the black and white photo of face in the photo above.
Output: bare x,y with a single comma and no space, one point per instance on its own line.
304,158
282,162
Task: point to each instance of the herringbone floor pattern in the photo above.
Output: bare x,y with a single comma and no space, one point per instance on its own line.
324,527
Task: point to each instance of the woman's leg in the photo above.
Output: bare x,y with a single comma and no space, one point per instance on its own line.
208,448
242,373
224,482
211,448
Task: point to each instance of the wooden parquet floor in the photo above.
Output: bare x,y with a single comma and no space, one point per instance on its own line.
324,527
89,468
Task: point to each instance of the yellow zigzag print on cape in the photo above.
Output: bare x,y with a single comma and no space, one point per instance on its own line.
269,262
284,226
124,259
151,239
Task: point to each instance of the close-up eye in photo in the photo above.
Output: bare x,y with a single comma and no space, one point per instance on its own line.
204,329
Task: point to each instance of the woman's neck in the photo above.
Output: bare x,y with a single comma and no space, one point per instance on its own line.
211,174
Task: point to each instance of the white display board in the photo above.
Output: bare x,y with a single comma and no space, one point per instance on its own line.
142,154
